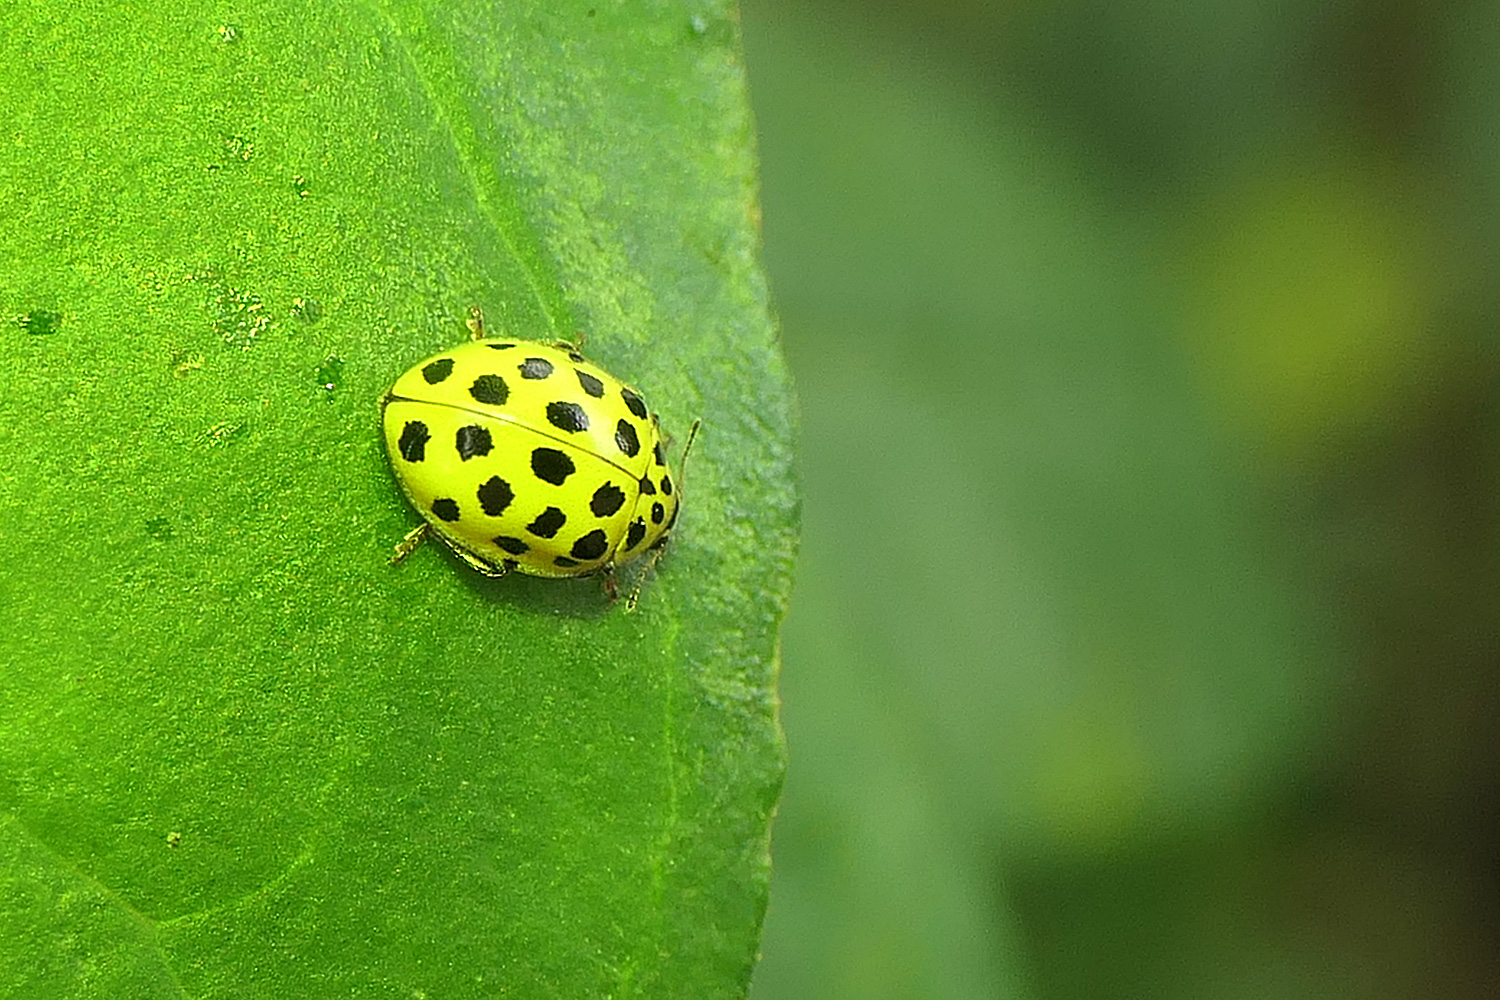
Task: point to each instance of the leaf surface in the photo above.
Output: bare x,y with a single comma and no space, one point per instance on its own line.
240,756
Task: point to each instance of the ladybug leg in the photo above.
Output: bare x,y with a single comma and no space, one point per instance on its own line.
657,551
645,571
414,539
478,564
474,562
611,588
661,545
409,544
640,581
475,323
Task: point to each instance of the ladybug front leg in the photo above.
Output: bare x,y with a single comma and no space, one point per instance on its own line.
475,323
409,544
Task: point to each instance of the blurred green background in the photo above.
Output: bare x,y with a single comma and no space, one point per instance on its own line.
1145,634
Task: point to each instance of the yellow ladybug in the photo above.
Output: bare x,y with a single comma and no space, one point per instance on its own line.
523,455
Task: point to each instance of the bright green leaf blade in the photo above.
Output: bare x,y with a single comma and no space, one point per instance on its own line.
239,755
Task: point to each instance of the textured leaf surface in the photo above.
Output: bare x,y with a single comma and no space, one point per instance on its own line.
239,755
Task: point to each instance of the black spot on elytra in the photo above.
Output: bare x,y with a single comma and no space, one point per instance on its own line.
503,345
490,390
472,440
657,513
647,486
413,442
435,371
666,485
575,357
636,404
565,562
673,519
590,385
625,438
635,534
512,545
445,508
494,496
552,466
536,368
656,454
567,416
591,546
607,499
548,523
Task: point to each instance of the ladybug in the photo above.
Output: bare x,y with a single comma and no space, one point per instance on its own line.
525,456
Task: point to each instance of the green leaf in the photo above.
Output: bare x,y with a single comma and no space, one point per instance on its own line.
240,756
